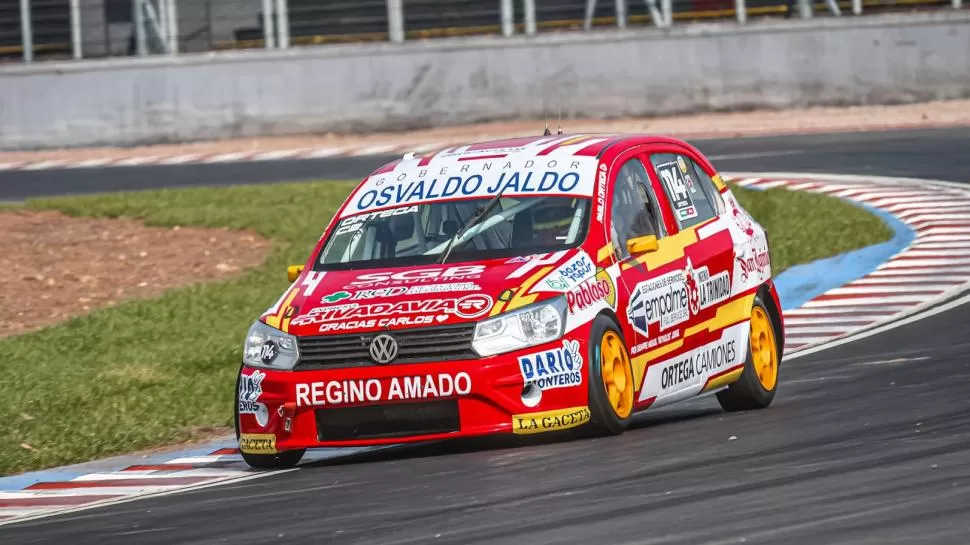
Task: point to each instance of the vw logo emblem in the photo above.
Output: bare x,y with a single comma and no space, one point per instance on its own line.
383,349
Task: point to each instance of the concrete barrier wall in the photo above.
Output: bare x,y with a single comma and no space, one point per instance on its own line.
642,72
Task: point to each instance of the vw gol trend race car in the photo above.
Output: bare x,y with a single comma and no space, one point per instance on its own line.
517,286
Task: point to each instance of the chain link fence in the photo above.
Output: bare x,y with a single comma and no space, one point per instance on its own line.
64,29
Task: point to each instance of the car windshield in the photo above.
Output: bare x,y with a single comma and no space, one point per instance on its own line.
419,234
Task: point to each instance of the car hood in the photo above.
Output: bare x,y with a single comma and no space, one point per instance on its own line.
364,300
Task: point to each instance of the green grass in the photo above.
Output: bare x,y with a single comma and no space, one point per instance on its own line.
803,227
151,372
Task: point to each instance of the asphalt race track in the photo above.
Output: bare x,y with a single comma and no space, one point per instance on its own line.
867,442
929,153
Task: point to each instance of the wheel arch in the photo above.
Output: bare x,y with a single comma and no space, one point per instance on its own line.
769,297
609,313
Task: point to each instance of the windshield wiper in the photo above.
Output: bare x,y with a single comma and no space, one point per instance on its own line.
476,217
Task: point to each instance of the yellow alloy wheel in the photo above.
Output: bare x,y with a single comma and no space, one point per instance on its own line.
764,353
617,374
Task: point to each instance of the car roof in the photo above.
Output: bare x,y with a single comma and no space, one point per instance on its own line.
568,145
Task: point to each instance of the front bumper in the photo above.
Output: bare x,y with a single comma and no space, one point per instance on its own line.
317,408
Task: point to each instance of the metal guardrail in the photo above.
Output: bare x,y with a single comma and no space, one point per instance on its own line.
60,29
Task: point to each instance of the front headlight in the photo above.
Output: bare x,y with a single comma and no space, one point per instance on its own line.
270,348
521,328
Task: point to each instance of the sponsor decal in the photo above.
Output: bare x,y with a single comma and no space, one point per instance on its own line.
754,262
695,367
424,289
660,300
250,390
682,164
387,314
559,419
739,216
507,295
462,272
704,290
601,193
478,179
257,443
654,342
599,288
690,368
336,296
354,222
569,275
352,391
557,368
674,297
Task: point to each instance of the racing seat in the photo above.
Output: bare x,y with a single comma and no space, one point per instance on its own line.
392,231
523,230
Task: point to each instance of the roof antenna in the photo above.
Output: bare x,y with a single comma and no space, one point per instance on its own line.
559,124
542,107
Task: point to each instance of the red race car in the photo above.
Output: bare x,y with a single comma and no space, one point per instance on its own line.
516,286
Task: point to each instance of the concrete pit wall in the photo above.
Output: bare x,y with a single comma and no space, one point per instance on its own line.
640,72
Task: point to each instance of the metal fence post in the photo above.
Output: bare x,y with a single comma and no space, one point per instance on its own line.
530,17
805,9
507,15
655,16
141,38
668,13
76,29
741,9
395,20
26,31
173,27
620,13
269,31
957,4
162,21
590,9
283,24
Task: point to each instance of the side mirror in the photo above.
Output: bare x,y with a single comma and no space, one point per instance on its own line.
642,245
293,272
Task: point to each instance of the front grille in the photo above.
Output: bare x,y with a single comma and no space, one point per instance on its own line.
394,420
445,343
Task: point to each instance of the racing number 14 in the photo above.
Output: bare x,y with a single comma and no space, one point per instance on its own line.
674,183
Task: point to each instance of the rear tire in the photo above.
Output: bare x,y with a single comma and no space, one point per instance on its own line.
280,460
611,387
759,380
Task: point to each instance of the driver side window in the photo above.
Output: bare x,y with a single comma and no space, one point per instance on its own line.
634,212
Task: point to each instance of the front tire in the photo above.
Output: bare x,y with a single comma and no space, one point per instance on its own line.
611,387
280,460
759,380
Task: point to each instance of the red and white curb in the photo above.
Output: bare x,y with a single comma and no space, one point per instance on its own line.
935,266
215,158
44,498
181,473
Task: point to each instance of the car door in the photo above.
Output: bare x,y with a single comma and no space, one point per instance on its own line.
713,339
657,308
